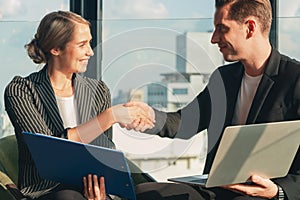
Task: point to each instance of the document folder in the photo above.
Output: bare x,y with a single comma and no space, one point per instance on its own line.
66,162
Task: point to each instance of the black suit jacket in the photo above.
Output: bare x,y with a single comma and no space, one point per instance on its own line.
277,99
31,106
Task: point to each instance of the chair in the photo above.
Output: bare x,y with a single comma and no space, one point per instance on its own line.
9,169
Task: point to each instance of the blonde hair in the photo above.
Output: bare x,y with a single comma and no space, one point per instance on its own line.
54,31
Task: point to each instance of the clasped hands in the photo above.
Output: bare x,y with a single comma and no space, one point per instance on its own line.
134,115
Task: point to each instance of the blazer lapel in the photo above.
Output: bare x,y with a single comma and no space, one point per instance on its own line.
265,86
233,88
84,98
47,96
259,98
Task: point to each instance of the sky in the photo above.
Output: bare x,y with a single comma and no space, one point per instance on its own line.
157,9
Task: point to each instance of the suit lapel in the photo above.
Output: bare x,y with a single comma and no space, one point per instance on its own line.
47,96
84,98
262,92
233,88
265,86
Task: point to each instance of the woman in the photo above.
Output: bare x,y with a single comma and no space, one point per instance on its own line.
58,101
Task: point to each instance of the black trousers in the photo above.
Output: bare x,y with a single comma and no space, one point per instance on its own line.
174,191
65,193
158,191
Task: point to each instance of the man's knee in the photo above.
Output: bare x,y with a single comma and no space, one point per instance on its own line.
165,191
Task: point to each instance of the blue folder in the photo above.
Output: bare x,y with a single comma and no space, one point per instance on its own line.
67,162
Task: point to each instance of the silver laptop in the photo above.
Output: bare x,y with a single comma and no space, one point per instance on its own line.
265,149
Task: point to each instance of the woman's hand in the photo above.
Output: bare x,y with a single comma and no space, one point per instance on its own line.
140,125
94,188
133,113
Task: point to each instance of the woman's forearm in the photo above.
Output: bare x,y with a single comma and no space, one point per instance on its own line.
88,131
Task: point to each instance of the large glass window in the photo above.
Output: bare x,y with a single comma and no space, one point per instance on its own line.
149,48
154,47
288,28
157,44
18,23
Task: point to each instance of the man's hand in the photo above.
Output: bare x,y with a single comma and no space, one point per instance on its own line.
262,187
140,125
132,113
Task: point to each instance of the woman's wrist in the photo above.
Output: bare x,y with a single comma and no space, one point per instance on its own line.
107,117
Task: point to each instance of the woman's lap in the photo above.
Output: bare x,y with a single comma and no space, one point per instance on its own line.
63,193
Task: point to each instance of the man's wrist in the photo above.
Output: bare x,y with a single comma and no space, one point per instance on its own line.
280,194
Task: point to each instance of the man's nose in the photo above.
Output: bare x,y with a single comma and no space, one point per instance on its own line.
214,38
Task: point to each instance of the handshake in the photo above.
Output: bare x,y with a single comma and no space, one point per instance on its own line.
136,116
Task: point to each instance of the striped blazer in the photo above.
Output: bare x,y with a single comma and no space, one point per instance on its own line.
31,106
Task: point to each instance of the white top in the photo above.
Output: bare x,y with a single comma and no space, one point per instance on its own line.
247,91
68,111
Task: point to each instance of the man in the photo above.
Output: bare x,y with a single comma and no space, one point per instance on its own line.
261,85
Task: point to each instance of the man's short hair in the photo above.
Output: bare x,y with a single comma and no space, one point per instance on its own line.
241,9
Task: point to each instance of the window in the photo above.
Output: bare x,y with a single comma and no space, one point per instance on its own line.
18,24
288,29
180,91
155,44
144,44
155,41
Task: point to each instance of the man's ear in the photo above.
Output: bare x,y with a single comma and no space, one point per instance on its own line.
55,51
251,27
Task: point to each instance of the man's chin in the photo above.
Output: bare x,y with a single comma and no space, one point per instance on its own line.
229,58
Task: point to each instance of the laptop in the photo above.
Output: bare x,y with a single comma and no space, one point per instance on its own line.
65,161
266,149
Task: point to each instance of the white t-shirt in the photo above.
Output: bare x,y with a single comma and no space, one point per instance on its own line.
246,94
68,111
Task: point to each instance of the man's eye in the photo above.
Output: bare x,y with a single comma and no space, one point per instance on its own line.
223,29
